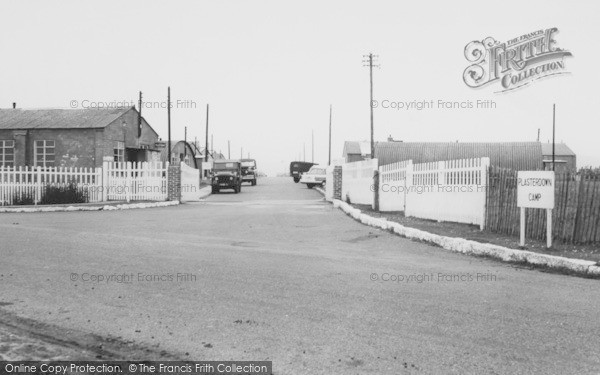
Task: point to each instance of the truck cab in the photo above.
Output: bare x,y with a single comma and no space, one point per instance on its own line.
249,171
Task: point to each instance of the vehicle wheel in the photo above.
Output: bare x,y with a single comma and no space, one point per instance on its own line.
215,190
310,186
240,188
296,179
254,182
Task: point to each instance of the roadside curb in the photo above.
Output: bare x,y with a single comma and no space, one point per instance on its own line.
107,207
461,245
320,190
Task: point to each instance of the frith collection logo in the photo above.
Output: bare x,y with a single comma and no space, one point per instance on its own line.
516,62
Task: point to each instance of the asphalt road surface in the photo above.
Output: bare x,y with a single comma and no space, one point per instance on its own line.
275,273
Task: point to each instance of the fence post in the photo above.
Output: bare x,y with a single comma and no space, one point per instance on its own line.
376,189
38,195
408,183
484,177
104,182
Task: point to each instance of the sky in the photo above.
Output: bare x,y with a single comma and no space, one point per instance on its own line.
271,69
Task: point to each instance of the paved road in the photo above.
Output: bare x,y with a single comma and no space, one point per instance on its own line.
278,274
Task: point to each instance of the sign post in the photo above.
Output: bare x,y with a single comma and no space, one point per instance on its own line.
535,189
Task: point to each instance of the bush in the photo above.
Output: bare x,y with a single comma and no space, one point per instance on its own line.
23,199
63,194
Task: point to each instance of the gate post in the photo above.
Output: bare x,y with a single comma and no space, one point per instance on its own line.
337,182
174,182
376,189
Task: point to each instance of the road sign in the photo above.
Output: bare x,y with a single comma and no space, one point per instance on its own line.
535,189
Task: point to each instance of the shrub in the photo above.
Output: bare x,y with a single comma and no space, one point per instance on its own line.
63,194
23,199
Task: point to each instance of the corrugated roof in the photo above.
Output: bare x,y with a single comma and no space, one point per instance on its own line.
514,155
560,149
59,118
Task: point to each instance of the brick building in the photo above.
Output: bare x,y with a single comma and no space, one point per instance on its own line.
74,137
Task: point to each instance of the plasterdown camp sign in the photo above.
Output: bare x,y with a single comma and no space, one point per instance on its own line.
515,63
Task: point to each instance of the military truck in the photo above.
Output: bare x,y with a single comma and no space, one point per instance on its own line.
249,171
226,174
297,168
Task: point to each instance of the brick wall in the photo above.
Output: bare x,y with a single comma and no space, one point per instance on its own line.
337,182
174,183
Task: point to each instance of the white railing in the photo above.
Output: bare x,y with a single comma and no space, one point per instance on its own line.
112,182
392,185
357,181
141,181
451,190
29,184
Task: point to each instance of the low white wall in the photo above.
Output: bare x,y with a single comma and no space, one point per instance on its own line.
392,195
460,203
453,190
357,181
392,186
190,183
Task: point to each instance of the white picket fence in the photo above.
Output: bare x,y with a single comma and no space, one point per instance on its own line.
143,181
114,181
392,185
357,181
28,183
451,190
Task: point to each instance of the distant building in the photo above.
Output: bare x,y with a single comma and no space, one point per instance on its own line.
564,157
356,151
180,151
74,137
200,156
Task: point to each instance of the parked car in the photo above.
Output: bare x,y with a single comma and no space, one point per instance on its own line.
297,168
227,174
315,176
249,171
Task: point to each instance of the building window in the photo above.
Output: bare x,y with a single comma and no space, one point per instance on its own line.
43,153
119,152
7,153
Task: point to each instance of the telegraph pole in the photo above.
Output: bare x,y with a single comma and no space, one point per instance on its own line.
185,142
206,138
370,64
330,110
140,116
169,123
553,133
228,149
304,151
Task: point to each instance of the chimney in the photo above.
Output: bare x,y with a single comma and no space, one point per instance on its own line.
390,139
14,105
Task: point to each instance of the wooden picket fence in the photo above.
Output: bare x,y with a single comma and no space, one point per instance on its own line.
113,182
575,218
